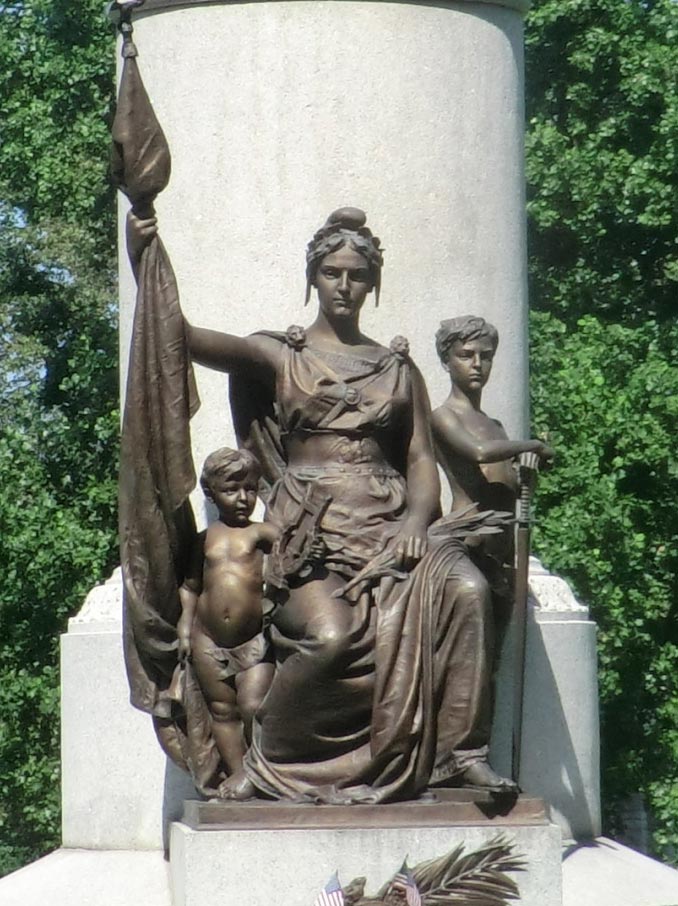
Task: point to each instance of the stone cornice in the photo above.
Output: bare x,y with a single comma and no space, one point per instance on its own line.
150,6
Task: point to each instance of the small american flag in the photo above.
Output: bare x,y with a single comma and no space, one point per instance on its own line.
404,881
332,894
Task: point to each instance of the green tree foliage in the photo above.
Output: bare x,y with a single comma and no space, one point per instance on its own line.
602,79
58,419
56,95
602,158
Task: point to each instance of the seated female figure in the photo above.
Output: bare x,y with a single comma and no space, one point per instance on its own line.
382,629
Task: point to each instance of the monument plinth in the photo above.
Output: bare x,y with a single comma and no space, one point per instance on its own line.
218,849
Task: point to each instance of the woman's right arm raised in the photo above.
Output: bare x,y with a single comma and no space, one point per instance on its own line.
220,351
225,352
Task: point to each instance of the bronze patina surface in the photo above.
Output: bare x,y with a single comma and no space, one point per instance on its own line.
381,626
481,466
448,808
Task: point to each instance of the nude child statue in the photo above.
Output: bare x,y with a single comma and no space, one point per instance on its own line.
220,629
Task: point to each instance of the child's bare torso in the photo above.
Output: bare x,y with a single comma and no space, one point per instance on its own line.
229,608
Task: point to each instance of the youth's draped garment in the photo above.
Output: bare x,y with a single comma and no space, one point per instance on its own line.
379,689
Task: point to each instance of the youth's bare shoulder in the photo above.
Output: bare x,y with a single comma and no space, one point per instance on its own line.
446,416
214,531
222,540
266,529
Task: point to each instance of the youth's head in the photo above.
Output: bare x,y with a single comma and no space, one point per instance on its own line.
343,262
230,479
466,348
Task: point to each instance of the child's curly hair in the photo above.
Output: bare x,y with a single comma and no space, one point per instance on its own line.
226,464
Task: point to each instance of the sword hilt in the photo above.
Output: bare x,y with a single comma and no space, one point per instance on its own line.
528,470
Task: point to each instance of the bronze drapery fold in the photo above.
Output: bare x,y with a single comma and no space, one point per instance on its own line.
411,673
157,528
385,682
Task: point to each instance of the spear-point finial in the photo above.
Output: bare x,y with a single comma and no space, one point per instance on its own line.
119,13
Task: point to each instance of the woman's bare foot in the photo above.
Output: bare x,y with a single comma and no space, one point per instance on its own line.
237,787
480,776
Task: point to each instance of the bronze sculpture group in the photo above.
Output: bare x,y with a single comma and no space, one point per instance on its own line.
373,680
342,651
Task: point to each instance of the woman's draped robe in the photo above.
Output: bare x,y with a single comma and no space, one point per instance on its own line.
427,668
403,697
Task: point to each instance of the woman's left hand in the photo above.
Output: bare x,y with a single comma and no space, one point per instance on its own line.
410,544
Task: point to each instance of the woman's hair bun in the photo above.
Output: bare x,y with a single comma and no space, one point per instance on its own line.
345,225
348,218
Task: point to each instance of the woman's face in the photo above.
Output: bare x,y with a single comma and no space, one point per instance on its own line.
343,281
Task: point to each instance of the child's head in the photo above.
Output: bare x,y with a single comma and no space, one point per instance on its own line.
230,479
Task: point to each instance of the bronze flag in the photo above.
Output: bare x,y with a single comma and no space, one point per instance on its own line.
156,468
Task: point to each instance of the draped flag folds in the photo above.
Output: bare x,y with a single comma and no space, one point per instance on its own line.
157,528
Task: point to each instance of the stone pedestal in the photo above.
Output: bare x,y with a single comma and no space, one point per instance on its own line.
561,729
561,732
118,797
223,856
118,789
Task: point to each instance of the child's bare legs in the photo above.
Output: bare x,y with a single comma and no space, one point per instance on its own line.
252,686
221,699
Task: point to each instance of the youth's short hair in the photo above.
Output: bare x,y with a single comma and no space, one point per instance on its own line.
226,464
465,329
